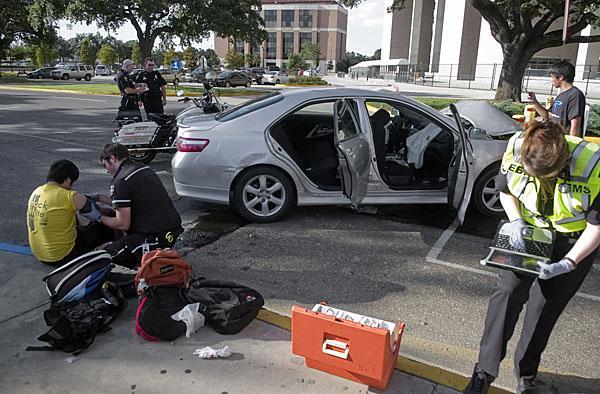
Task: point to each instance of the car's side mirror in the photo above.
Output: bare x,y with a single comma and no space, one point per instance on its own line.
477,133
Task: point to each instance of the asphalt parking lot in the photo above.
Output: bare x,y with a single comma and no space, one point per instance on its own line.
413,264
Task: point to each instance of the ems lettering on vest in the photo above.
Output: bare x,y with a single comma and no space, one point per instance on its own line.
579,188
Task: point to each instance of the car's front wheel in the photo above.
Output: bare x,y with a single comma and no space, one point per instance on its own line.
227,84
263,194
40,76
176,82
486,196
65,77
277,81
88,77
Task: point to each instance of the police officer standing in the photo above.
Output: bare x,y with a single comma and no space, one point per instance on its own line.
129,93
155,98
548,180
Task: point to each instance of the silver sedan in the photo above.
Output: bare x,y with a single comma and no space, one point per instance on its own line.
340,146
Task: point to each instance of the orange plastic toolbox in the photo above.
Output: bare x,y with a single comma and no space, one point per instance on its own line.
346,344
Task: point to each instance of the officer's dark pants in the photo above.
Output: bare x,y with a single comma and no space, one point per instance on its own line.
546,299
153,105
127,251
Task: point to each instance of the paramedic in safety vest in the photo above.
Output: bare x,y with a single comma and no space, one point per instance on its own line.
548,180
54,236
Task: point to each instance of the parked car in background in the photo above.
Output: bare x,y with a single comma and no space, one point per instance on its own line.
169,75
273,68
40,73
75,71
311,72
255,77
274,77
134,73
339,146
197,75
101,69
233,78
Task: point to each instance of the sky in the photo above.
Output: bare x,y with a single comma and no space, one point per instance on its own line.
364,29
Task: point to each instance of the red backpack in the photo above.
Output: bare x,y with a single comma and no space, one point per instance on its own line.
163,267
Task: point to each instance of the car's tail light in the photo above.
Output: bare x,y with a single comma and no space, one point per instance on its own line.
191,144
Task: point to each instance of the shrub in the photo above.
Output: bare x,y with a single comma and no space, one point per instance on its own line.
593,126
302,80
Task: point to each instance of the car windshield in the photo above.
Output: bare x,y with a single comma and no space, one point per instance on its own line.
249,106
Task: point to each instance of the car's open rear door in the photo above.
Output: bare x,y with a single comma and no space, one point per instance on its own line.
460,173
353,148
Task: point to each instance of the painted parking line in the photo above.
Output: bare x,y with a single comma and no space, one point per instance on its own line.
432,257
26,250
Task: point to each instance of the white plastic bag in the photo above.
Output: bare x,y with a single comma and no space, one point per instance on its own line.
191,317
209,352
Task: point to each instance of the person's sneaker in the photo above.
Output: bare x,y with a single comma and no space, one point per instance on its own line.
480,382
526,386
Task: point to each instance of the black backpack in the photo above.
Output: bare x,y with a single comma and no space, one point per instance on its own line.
228,307
153,317
74,325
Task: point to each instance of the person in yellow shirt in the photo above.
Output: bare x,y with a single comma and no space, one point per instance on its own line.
54,236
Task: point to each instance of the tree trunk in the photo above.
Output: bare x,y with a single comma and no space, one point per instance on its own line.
146,45
511,77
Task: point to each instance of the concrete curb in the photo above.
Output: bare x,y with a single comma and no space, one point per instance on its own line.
404,364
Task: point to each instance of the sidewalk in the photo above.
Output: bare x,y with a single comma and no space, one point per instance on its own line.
121,362
421,90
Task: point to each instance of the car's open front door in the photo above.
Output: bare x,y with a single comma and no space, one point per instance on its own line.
460,173
353,148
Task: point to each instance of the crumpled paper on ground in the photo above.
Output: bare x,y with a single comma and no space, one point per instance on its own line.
191,317
209,352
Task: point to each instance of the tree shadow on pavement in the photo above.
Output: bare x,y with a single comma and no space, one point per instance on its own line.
552,383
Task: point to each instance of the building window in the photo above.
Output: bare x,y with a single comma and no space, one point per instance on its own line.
318,37
272,45
305,38
270,18
288,44
305,18
255,47
287,18
239,45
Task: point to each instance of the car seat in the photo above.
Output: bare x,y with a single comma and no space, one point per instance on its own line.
318,160
393,173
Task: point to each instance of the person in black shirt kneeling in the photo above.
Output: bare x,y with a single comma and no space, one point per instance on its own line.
144,210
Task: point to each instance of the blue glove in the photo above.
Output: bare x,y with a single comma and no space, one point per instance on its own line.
93,214
554,269
517,229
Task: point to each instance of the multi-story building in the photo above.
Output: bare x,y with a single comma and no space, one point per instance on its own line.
289,25
451,37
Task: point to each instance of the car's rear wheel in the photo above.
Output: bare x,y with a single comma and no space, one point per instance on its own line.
88,77
227,84
486,196
263,194
40,76
248,84
277,81
65,77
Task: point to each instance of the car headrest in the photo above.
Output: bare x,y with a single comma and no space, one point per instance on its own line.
381,116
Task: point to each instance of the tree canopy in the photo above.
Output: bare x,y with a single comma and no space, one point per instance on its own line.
189,20
523,28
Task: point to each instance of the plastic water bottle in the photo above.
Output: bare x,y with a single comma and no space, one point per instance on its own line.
141,286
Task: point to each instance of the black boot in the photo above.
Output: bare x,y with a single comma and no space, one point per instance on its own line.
480,382
526,386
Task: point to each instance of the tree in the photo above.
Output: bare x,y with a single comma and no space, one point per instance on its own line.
188,20
212,59
13,15
190,57
136,56
107,55
169,56
295,62
376,54
44,54
234,59
311,52
86,55
252,59
522,28
349,60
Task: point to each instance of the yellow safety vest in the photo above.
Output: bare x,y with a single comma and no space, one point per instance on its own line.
574,191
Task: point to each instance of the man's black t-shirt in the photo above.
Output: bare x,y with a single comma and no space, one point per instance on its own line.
592,215
137,186
568,105
154,81
128,101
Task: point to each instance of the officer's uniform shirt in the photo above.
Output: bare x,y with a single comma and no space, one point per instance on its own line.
128,101
138,187
154,81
